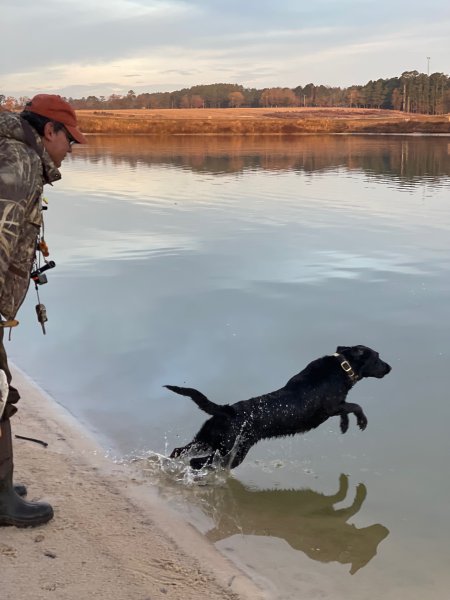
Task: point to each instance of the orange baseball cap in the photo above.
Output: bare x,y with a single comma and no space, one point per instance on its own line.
55,108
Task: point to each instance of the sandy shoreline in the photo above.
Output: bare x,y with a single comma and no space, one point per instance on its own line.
111,537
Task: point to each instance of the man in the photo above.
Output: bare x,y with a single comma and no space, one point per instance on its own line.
33,145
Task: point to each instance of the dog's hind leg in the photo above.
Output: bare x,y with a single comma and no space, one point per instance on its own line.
195,446
240,454
220,457
201,461
176,452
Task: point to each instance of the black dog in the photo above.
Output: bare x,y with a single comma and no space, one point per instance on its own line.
305,402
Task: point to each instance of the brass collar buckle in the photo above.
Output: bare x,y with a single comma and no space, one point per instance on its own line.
346,366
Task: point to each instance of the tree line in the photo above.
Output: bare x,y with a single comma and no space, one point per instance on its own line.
412,92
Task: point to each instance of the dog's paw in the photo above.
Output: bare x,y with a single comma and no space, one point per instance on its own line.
201,462
176,452
362,422
361,493
344,423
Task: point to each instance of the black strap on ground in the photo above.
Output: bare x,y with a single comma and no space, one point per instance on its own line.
29,439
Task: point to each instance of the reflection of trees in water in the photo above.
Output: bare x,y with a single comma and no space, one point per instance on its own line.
306,519
407,159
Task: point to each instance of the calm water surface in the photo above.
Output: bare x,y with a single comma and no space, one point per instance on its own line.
227,265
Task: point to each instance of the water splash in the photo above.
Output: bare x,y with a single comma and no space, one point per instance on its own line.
162,469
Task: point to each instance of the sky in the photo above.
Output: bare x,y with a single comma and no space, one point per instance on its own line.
99,47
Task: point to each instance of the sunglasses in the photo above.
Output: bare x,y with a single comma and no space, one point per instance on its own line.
70,139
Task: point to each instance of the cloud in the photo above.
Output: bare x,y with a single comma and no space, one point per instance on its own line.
117,44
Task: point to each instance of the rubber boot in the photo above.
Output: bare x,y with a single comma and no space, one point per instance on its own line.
20,489
14,510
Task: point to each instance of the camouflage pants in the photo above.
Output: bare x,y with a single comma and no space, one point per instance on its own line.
13,396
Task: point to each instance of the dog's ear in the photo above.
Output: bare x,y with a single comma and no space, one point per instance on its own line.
341,349
360,351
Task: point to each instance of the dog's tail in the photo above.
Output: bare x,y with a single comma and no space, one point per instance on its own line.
216,410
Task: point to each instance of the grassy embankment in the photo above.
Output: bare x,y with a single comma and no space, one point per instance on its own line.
255,121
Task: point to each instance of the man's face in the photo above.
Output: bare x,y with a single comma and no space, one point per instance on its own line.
57,143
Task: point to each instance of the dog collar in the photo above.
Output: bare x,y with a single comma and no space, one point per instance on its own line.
346,366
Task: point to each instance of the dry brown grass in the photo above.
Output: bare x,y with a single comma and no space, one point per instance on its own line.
251,121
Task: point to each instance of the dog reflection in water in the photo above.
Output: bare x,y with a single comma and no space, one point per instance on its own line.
307,520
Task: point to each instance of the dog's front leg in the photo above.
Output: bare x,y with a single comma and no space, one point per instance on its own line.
344,422
341,494
361,494
348,408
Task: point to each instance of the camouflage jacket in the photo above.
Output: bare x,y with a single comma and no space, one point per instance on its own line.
25,166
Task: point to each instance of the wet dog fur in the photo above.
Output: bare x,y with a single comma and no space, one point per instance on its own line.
306,401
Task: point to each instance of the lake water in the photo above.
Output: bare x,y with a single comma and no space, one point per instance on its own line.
228,264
